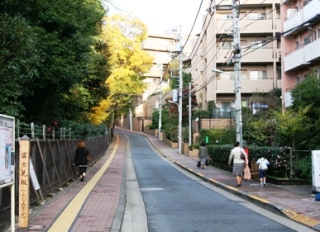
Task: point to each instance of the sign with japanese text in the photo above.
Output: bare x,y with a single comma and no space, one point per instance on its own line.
7,139
24,181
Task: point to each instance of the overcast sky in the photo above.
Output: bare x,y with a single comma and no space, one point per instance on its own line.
160,15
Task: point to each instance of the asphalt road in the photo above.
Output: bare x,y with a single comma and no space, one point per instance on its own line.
162,198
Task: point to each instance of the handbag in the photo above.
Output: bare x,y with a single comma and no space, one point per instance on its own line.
231,162
198,164
242,156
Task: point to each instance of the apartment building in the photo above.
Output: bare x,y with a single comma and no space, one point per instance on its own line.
300,43
159,47
259,27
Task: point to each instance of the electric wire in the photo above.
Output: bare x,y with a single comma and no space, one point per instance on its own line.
204,23
248,47
194,22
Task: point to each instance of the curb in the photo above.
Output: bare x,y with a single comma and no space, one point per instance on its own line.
274,208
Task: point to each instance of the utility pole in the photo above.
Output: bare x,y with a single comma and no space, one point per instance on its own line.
190,112
237,68
130,118
180,92
160,103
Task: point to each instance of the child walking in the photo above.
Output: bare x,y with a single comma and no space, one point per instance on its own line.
263,167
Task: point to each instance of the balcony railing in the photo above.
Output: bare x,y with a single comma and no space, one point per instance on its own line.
223,112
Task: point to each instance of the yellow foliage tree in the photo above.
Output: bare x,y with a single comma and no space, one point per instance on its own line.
129,62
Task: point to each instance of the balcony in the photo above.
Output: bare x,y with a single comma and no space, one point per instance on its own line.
262,55
250,26
296,18
302,56
247,86
247,2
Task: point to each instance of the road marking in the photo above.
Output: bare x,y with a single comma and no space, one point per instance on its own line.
68,216
151,189
301,218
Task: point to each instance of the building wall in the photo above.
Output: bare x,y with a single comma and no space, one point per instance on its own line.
260,63
300,43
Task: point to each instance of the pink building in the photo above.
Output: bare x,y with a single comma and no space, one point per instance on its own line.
300,43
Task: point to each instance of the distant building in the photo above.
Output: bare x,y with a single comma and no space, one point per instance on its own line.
158,46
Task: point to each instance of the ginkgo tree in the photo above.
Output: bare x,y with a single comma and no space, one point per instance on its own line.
129,62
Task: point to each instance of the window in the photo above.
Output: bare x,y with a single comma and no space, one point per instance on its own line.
307,40
258,106
225,109
256,45
224,16
226,45
305,2
226,76
314,35
258,75
244,74
256,16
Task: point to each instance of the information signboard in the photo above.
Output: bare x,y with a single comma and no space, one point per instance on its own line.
7,149
316,170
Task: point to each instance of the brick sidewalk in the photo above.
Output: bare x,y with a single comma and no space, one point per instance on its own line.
99,209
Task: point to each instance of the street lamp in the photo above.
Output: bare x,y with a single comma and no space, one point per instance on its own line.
217,70
237,87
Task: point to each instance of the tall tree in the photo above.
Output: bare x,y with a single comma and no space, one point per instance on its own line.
124,36
19,62
306,95
70,70
292,128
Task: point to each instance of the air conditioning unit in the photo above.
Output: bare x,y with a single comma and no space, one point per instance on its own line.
291,12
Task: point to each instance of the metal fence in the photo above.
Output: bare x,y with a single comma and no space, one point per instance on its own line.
52,161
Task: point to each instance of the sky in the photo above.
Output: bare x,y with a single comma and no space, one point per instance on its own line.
161,15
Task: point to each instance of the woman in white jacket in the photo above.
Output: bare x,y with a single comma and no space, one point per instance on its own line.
238,163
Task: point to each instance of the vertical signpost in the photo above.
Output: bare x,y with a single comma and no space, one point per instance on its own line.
7,148
24,182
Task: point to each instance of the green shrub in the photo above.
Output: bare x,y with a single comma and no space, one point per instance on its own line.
196,146
171,132
218,136
305,168
279,158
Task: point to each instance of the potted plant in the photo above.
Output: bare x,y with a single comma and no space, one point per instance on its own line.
193,150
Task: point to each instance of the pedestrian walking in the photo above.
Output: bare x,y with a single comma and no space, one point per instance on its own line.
263,168
238,164
203,154
81,159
